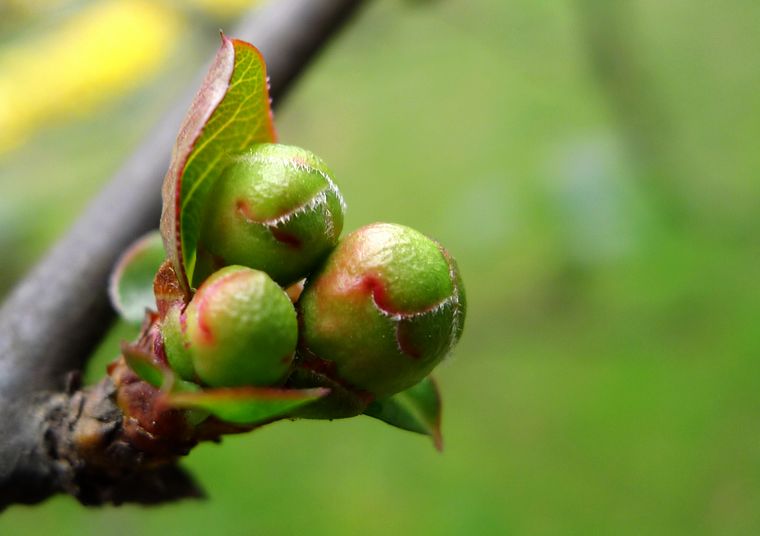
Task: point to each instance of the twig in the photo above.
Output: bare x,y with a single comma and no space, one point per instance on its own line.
56,315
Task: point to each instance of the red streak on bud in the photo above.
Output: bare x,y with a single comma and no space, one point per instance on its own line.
203,295
405,344
372,284
244,209
286,237
206,333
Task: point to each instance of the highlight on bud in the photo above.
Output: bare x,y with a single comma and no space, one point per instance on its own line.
385,308
239,329
275,208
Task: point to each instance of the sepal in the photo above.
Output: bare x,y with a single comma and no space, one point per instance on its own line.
418,409
247,405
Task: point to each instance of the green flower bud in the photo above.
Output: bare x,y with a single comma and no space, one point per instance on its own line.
177,353
385,308
275,209
240,329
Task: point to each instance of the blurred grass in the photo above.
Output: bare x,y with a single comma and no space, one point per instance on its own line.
590,166
83,62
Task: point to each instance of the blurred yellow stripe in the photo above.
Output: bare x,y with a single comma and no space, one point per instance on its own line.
223,8
107,48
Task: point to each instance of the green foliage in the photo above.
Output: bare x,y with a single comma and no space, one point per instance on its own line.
418,409
231,210
230,113
154,372
246,405
143,364
131,284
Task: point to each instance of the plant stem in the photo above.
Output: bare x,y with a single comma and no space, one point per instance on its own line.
55,316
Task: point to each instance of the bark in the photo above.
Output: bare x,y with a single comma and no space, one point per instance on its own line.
55,437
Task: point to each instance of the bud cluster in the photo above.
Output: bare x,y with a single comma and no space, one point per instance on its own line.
379,308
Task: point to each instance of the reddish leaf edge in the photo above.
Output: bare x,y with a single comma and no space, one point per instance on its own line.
204,104
197,117
127,256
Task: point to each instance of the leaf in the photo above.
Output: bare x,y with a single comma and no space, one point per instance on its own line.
131,284
247,405
418,409
145,366
161,377
230,113
155,373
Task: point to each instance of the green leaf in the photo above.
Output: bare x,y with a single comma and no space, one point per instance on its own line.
247,405
155,373
418,409
145,366
131,284
161,377
230,113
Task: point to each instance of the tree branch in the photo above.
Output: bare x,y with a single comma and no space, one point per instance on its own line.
56,315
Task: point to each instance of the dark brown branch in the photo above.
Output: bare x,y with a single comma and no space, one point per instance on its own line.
55,316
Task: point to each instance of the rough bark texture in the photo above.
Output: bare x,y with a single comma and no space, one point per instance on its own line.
53,436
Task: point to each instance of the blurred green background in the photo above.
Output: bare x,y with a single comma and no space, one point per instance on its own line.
593,167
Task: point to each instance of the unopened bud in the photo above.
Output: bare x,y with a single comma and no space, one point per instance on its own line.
275,209
239,329
386,307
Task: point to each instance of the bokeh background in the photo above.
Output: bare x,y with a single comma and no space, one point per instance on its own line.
592,165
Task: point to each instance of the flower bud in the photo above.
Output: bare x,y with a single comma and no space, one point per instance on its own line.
175,346
240,329
275,209
384,310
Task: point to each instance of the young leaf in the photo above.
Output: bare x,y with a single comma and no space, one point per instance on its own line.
158,375
143,364
246,405
230,113
131,284
418,409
